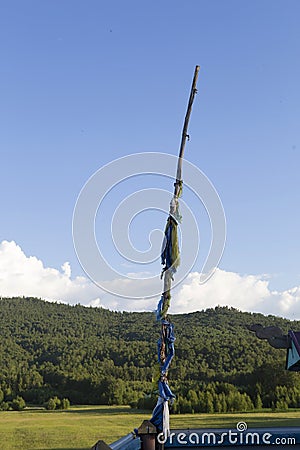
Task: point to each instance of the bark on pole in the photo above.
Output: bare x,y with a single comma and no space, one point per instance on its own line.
185,126
170,259
174,213
178,183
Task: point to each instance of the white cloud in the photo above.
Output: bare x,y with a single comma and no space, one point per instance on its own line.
244,292
66,269
26,275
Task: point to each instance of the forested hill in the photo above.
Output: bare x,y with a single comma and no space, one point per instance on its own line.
92,355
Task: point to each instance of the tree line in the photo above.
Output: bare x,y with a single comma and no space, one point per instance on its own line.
96,356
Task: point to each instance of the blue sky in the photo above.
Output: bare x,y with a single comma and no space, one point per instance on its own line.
85,82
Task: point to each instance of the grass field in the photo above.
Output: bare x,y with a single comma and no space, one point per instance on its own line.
80,427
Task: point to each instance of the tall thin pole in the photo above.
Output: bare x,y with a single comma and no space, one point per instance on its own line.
185,135
170,259
174,205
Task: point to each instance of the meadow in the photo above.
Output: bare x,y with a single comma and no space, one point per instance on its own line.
81,427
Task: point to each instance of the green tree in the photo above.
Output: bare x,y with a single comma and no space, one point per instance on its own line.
218,403
185,405
193,398
18,404
53,403
65,403
223,402
281,405
258,402
4,406
209,400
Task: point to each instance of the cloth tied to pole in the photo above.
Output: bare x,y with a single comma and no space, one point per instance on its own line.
170,259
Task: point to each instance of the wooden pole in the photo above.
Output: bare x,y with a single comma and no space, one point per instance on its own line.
174,215
185,126
168,274
184,137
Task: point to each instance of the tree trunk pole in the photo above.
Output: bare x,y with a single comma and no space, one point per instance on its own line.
174,204
178,183
166,342
185,136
